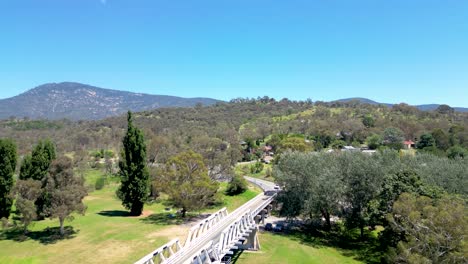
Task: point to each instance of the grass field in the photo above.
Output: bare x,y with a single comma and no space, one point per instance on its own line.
277,248
244,170
105,234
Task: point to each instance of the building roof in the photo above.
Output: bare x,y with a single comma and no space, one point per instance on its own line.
408,142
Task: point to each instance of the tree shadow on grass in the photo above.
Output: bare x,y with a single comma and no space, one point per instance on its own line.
348,243
50,235
114,213
173,219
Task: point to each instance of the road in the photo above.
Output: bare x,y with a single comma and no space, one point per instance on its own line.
265,185
187,252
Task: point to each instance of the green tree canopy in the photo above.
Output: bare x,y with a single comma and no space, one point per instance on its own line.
456,152
27,192
37,165
65,192
8,157
236,186
426,141
368,121
134,175
295,144
433,231
374,141
187,182
312,184
393,138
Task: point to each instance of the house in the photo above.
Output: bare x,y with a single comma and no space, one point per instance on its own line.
409,144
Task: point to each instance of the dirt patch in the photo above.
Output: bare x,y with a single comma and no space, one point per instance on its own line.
146,213
90,198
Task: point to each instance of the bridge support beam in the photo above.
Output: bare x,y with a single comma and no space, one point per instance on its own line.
252,243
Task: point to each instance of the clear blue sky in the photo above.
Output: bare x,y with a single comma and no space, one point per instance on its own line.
413,51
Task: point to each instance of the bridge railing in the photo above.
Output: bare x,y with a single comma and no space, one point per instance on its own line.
160,255
204,225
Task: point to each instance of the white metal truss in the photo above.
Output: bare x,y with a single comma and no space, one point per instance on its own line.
161,254
203,245
204,225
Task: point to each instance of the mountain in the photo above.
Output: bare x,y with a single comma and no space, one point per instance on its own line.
78,101
424,107
361,100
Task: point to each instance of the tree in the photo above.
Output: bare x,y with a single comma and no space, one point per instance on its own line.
312,185
393,138
8,157
187,182
403,181
425,141
215,153
362,176
432,231
445,109
257,167
368,121
236,186
441,139
65,192
338,144
134,175
456,152
374,141
27,192
37,165
295,144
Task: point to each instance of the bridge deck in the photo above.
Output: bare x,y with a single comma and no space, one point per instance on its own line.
186,254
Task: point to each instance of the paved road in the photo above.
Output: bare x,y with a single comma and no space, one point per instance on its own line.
214,234
265,185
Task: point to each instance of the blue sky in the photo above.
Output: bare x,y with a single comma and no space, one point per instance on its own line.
390,51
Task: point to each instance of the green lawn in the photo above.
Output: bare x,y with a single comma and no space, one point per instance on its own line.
289,249
244,170
105,234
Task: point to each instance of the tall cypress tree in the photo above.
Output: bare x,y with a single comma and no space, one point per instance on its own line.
134,174
8,158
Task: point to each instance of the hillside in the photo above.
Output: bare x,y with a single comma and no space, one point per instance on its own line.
78,101
423,107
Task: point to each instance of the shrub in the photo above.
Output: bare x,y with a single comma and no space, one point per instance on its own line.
236,186
100,183
456,152
257,167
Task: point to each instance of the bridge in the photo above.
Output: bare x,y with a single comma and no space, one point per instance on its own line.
210,240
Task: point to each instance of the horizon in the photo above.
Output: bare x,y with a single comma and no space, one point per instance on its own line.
228,100
402,51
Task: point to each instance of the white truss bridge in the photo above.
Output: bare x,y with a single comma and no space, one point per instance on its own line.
220,234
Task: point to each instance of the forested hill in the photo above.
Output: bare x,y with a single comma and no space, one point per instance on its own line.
76,101
423,107
169,130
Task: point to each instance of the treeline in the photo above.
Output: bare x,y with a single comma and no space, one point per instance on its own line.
216,131
46,186
419,200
